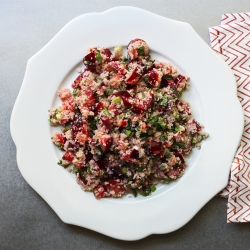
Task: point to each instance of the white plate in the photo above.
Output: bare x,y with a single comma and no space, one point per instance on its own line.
212,96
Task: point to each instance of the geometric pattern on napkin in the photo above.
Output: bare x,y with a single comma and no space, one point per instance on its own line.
235,18
231,41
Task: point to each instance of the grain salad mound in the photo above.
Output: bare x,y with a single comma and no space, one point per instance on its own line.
125,127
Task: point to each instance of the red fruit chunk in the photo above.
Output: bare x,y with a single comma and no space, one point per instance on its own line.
115,109
134,40
126,102
176,82
183,107
68,155
106,121
123,123
116,172
60,138
63,121
130,86
91,97
72,145
134,77
99,192
106,52
115,187
78,125
102,163
174,172
90,61
134,154
113,66
167,81
138,108
131,155
69,104
155,147
153,78
198,126
88,156
179,79
149,102
77,81
123,94
106,143
99,107
133,51
177,154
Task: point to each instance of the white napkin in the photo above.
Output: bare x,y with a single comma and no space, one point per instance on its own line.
231,40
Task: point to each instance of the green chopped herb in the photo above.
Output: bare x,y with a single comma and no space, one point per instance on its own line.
109,91
167,179
124,170
100,149
163,136
128,132
125,60
117,99
162,123
177,94
144,135
82,174
145,78
195,140
89,169
106,111
75,170
138,169
140,51
168,77
130,178
59,162
153,187
146,192
58,144
92,123
98,56
179,145
163,101
168,155
153,120
75,92
88,63
134,192
65,129
163,167
176,115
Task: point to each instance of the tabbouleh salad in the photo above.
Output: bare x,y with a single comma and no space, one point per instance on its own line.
124,126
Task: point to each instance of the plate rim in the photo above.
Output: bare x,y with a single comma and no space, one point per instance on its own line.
15,116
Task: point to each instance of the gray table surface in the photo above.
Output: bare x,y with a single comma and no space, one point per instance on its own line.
26,221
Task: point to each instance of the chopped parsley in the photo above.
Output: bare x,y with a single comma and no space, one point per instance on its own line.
140,51
98,56
106,111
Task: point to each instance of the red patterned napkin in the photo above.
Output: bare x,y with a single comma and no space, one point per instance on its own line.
231,40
